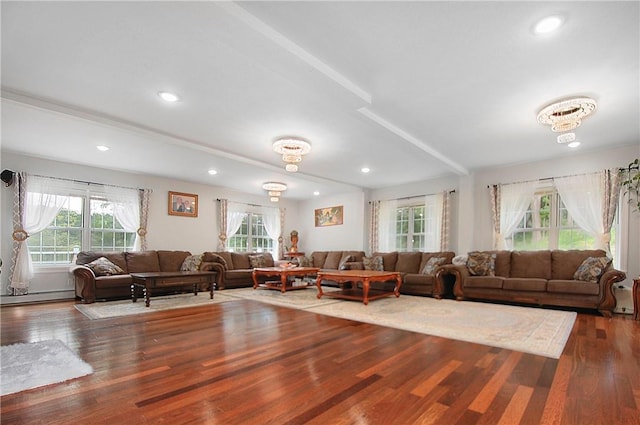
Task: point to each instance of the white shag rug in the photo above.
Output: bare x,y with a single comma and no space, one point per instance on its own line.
104,310
35,364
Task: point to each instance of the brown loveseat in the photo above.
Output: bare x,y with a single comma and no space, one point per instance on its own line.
411,266
539,277
91,286
235,268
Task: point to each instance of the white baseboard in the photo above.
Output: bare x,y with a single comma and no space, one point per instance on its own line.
38,297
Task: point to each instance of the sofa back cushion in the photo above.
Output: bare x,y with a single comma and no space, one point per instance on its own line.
240,260
264,259
565,263
503,263
389,260
356,255
117,258
408,262
333,260
319,258
142,261
171,261
532,264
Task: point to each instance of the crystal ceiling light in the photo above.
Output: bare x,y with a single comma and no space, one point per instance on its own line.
292,149
274,190
567,115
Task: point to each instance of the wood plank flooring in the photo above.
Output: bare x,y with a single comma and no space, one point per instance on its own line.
243,362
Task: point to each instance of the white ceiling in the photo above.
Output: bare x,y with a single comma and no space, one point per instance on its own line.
412,90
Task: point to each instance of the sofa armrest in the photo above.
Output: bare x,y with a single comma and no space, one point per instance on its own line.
459,273
85,283
220,270
607,296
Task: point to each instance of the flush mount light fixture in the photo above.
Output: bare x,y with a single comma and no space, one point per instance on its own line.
292,149
102,148
168,96
212,172
316,193
574,144
365,169
548,24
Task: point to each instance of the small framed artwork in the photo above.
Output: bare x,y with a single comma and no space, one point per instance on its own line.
184,204
330,216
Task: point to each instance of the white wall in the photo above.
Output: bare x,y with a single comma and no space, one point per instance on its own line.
165,231
348,236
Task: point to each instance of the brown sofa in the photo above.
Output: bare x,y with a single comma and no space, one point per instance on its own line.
541,278
235,268
410,265
91,287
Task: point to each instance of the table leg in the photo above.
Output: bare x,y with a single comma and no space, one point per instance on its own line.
195,289
134,298
283,282
147,294
396,290
255,279
319,285
365,290
213,285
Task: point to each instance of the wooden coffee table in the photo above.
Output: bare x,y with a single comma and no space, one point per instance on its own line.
283,275
150,280
365,277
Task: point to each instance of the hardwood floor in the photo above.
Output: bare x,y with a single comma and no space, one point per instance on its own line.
242,362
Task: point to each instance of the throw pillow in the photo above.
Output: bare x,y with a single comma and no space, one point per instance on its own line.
345,260
481,263
373,263
591,269
305,261
191,263
432,264
459,260
257,261
103,267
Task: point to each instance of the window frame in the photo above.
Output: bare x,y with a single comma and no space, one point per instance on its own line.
247,222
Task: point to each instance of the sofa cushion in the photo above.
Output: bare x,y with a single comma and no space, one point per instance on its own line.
531,264
373,263
591,269
240,260
116,258
418,279
191,263
426,256
304,261
389,260
481,263
333,260
319,258
524,284
503,263
564,263
227,258
577,287
142,261
492,282
408,262
171,261
346,259
258,260
115,281
103,267
432,265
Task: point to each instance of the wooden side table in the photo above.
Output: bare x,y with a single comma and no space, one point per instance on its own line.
636,299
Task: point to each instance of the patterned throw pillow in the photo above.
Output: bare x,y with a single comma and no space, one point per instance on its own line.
257,261
103,267
345,260
305,261
191,263
373,263
591,269
481,264
432,264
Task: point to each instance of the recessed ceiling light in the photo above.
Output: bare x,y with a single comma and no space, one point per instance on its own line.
574,144
102,148
168,97
365,169
316,193
213,172
548,24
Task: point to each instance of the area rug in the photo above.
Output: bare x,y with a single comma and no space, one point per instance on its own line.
103,310
35,364
531,330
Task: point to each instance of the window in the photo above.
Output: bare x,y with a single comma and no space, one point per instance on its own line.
71,233
418,227
252,236
547,224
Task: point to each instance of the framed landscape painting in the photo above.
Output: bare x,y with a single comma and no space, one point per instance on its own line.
330,216
184,204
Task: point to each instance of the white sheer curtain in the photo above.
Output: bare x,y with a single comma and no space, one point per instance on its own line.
591,200
235,214
387,226
38,205
510,203
126,209
271,221
433,222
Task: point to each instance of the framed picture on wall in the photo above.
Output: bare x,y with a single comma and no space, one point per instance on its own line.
184,204
330,216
